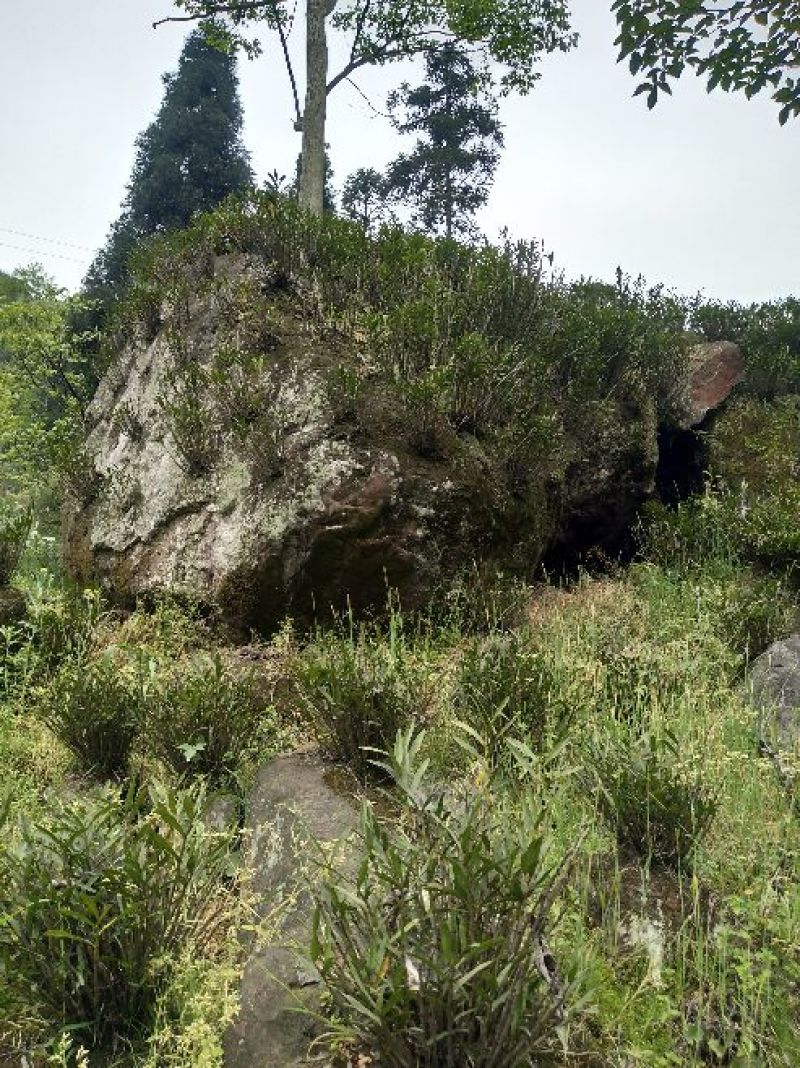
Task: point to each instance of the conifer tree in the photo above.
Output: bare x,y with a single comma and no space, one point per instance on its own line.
447,176
189,159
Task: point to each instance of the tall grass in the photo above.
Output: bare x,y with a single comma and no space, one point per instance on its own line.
436,953
97,896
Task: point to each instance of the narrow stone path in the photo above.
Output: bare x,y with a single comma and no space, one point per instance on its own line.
291,804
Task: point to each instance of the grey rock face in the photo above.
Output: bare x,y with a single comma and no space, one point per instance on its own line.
775,683
291,804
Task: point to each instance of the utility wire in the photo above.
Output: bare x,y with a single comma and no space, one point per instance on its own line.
42,252
49,240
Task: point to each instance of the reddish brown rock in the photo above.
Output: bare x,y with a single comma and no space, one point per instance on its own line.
716,368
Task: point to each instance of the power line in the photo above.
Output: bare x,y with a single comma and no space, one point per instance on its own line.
49,240
40,252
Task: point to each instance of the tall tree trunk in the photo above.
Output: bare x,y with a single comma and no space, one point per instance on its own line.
312,165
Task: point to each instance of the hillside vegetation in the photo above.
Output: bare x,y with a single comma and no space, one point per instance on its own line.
578,851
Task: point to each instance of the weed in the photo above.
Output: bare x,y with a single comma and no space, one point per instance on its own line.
436,952
358,689
96,896
14,530
194,430
655,806
95,707
201,717
503,688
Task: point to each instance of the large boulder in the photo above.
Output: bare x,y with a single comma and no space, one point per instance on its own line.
293,514
244,481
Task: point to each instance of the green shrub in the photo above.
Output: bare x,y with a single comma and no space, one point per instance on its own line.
703,528
14,530
194,429
750,511
96,899
60,624
166,627
95,707
504,687
201,717
656,806
462,340
435,953
358,688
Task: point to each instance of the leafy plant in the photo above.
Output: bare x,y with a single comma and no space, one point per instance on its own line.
358,689
769,336
60,624
95,706
201,717
655,805
504,688
435,952
193,427
98,896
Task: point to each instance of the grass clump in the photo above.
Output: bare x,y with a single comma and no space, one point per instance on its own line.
202,717
95,708
654,803
504,688
60,625
358,687
96,896
435,954
15,526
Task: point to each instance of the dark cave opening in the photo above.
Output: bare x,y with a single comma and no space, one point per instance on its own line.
597,542
682,463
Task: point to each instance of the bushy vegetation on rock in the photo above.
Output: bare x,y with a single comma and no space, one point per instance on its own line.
264,350
769,335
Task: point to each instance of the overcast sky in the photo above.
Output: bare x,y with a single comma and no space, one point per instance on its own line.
701,194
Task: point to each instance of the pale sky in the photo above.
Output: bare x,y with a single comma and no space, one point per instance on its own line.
701,194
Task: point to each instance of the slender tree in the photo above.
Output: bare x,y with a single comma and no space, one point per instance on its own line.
189,159
448,174
513,34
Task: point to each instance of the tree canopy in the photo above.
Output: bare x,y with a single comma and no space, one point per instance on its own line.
189,159
747,45
447,175
12,288
364,197
512,35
